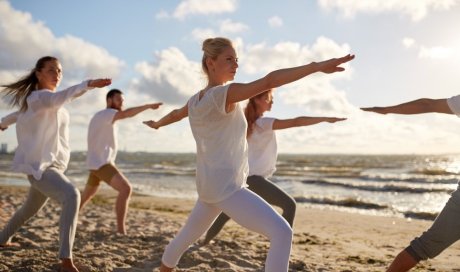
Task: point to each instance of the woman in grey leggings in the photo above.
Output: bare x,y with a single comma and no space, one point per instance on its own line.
446,227
43,150
262,149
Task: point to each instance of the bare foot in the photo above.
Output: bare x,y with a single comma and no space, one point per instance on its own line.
67,266
10,244
164,268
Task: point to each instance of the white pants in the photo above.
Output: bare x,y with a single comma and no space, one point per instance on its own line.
53,184
247,209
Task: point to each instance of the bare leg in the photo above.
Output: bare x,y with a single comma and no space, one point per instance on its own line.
403,262
88,194
122,185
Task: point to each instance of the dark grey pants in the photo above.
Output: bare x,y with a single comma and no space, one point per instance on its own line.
270,192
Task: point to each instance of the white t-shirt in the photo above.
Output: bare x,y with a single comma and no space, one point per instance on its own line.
454,104
262,148
222,154
43,131
102,139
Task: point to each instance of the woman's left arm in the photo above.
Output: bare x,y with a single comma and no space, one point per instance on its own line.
57,99
9,120
303,121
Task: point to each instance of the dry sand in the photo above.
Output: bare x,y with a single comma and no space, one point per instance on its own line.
324,240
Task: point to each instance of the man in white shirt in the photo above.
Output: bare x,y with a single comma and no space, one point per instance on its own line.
102,151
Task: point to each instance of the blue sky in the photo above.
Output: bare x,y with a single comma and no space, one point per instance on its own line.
404,50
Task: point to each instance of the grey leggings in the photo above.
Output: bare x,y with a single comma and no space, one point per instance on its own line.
53,184
270,193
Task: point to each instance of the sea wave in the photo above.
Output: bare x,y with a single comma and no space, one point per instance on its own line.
378,187
345,202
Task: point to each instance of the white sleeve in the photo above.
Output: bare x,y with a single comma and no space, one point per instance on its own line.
454,104
219,96
265,123
108,116
9,119
40,100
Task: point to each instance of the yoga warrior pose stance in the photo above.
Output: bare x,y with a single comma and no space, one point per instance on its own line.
262,154
219,128
102,152
42,130
446,227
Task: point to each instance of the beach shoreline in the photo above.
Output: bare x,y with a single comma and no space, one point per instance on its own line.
324,240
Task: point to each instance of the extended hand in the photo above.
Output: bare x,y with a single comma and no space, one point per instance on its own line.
2,128
155,106
334,119
151,124
381,110
332,65
99,83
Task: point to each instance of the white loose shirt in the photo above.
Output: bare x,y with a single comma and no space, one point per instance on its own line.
102,139
9,119
262,148
454,104
222,157
43,131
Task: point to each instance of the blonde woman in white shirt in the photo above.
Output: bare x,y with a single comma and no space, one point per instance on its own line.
42,130
219,128
262,155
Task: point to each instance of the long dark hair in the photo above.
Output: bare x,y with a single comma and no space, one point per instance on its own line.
251,112
17,92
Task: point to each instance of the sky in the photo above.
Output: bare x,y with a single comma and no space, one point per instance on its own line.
404,50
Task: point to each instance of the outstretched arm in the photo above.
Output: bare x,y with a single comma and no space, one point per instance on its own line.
134,111
9,120
303,121
241,91
172,117
424,105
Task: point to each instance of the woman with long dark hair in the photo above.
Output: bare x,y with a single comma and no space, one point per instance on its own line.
42,130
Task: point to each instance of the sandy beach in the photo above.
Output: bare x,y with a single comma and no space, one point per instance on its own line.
324,240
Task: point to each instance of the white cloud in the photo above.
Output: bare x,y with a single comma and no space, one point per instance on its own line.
194,7
433,52
275,21
437,52
172,78
315,91
200,34
417,9
228,26
260,58
23,41
408,42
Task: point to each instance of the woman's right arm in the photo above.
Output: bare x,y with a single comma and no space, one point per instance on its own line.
57,99
241,91
424,105
9,120
172,117
303,121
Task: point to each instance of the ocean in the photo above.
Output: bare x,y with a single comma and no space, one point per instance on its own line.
412,186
